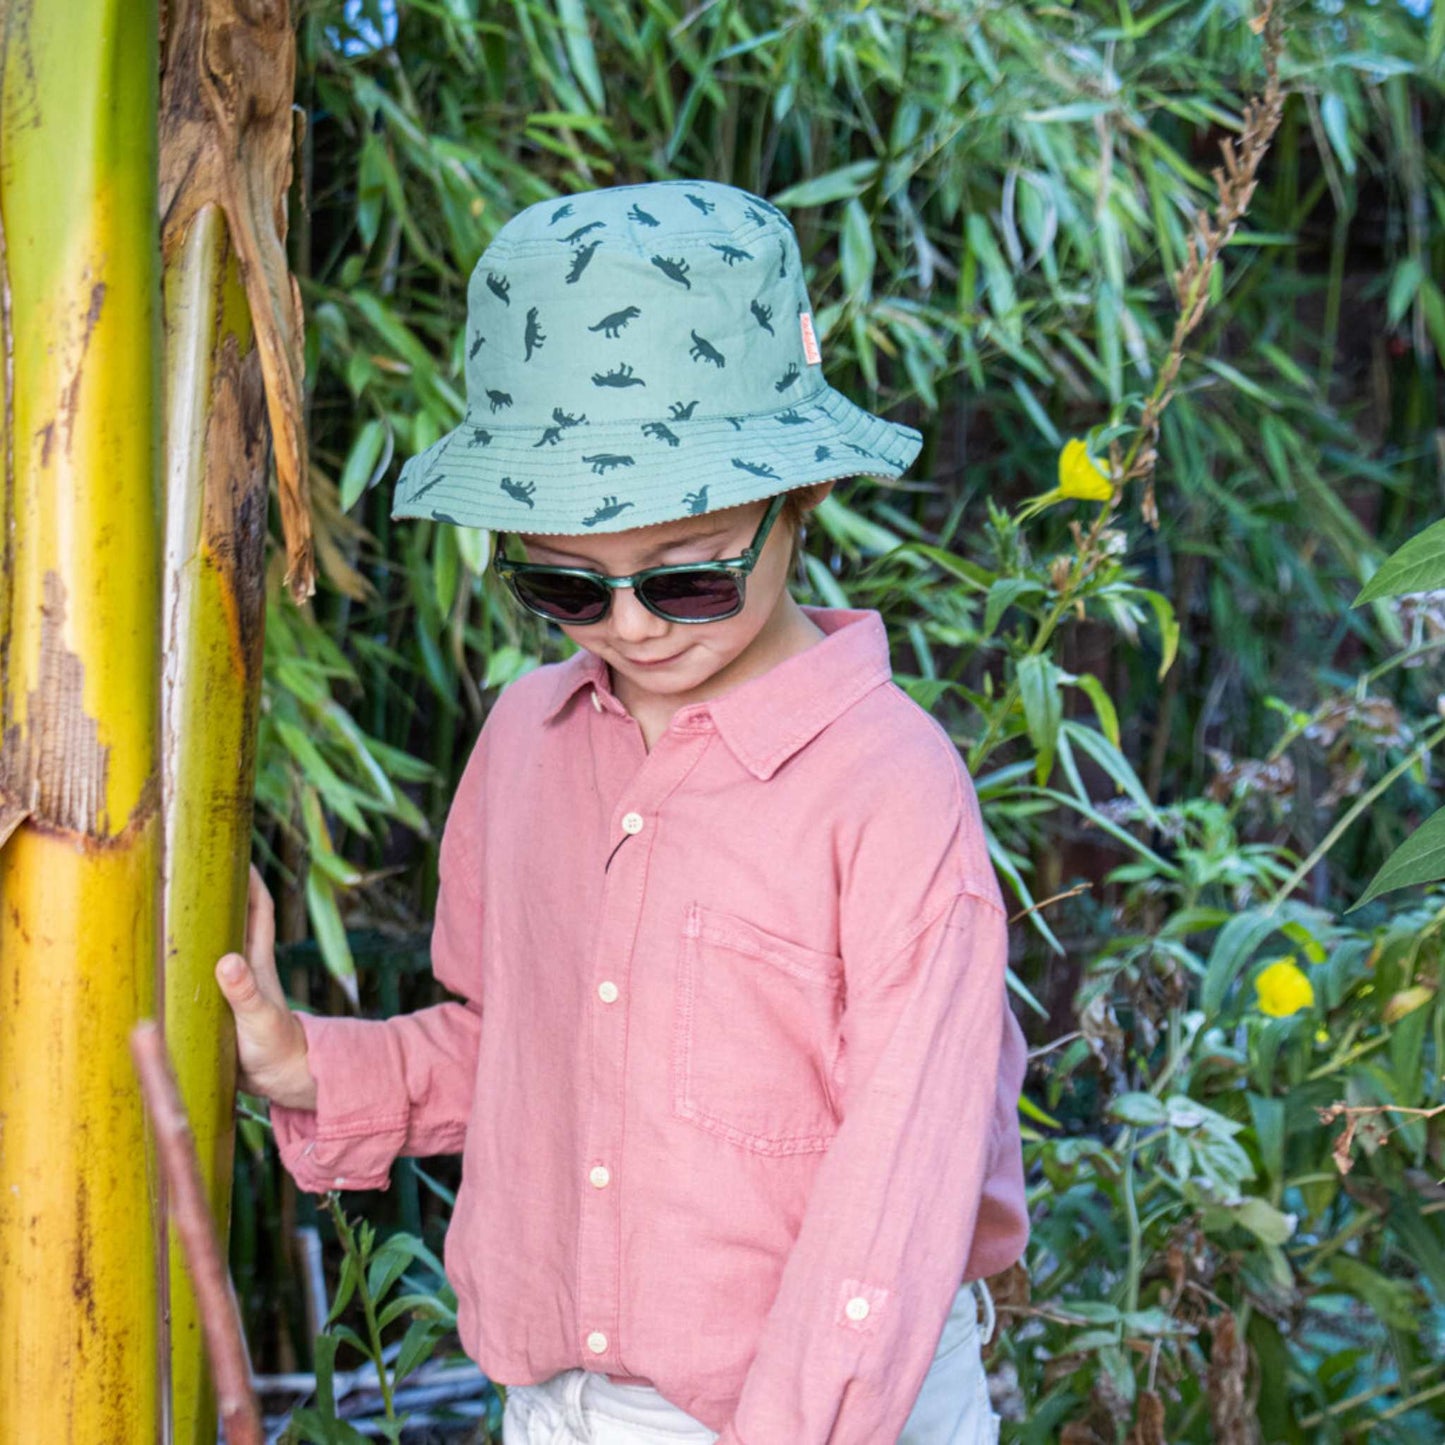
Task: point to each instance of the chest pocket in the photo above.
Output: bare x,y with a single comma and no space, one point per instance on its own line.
755,1035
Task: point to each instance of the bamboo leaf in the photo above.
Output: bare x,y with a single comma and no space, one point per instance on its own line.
836,185
330,932
858,255
580,51
361,462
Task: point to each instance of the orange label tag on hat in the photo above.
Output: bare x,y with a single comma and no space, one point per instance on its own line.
810,341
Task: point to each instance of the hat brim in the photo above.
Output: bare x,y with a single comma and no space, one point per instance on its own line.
578,478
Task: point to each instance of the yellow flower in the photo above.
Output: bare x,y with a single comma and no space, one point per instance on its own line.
1079,475
1080,480
1283,988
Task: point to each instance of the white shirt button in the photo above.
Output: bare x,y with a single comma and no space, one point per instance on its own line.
597,1342
856,1308
632,823
607,991
596,701
599,1176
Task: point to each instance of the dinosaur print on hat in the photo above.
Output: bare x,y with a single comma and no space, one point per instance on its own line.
672,378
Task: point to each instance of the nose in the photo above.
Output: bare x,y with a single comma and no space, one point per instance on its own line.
631,621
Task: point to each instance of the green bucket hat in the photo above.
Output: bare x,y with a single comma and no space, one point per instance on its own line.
638,354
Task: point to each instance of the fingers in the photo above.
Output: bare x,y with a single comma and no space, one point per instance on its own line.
238,983
261,938
268,1039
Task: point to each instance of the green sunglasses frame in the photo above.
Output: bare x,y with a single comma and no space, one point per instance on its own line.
509,569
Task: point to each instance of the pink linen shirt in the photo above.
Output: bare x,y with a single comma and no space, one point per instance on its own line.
735,1078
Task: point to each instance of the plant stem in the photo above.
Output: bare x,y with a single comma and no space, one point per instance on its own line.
348,1243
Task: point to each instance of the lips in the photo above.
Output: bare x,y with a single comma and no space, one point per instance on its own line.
652,661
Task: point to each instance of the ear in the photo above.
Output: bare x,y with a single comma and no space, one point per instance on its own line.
810,496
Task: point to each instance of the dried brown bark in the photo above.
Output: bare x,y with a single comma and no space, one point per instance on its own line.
226,139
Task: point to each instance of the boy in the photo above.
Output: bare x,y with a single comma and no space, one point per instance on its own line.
734,1076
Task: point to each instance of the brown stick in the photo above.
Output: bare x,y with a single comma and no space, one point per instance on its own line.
186,1205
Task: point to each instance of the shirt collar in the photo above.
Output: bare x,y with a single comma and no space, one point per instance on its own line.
768,718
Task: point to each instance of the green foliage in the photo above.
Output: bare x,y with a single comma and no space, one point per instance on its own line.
1188,746
369,1273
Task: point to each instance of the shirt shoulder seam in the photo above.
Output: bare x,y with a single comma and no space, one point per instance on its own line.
935,915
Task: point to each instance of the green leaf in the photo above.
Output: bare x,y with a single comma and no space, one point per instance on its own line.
1269,1115
318,1429
857,254
319,773
1108,756
348,1336
1419,859
330,932
345,1288
1403,286
1103,705
1070,111
1337,128
361,469
1264,1221
1394,1301
578,40
445,567
1150,1322
1236,945
1036,414
370,187
1002,595
1140,1109
418,1304
1043,708
1418,566
1168,629
388,1264
1095,1311
324,1353
998,276
318,840
416,1347
837,185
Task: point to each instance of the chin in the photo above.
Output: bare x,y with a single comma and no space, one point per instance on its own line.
680,677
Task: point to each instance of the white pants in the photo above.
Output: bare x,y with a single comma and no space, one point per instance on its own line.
581,1407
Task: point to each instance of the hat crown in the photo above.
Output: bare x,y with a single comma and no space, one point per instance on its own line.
643,304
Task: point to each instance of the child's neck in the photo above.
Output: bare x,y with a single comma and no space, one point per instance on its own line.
788,631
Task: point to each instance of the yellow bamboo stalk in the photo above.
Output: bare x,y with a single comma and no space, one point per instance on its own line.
215,532
79,765
233,363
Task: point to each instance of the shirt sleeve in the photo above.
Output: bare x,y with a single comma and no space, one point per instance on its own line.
404,1085
887,1229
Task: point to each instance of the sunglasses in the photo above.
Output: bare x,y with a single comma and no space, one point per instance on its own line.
688,592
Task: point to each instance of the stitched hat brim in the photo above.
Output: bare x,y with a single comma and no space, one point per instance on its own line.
612,477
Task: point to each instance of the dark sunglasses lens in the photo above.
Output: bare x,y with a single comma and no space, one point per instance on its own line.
564,599
694,596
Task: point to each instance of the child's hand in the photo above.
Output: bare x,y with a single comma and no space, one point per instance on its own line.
270,1042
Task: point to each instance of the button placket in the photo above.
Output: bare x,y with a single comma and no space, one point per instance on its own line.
624,889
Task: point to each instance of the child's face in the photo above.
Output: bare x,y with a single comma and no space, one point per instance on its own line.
675,661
